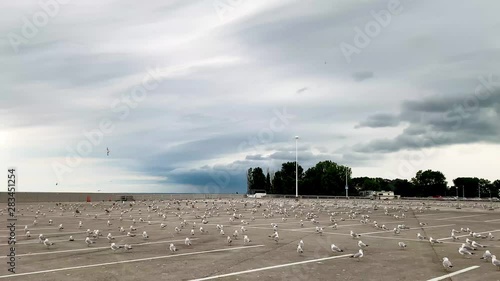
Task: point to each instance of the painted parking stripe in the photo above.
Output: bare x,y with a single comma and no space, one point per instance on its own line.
270,267
93,248
126,261
443,219
454,273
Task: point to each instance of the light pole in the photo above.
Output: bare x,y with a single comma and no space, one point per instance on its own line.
296,168
346,186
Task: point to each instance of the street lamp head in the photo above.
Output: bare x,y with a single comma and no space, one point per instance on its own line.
296,137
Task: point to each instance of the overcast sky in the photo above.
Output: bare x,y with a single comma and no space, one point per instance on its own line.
188,94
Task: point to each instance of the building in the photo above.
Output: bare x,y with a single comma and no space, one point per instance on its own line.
380,195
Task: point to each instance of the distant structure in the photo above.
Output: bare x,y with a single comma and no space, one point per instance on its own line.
256,193
380,195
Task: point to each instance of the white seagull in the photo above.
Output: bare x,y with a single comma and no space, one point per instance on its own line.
358,255
447,263
335,249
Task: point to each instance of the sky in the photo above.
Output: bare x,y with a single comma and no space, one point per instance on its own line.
189,94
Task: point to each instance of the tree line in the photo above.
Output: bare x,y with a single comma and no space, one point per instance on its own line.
329,178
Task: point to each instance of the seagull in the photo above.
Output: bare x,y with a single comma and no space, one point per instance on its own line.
301,243
477,245
145,235
71,238
109,223
276,237
110,237
50,222
203,230
396,230
299,249
447,263
172,248
229,240
335,249
463,251
486,256
130,234
434,241
419,236
495,262
358,255
187,241
115,247
354,235
163,225
41,238
361,244
47,243
88,241
490,236
80,224
402,245
28,234
468,247
246,240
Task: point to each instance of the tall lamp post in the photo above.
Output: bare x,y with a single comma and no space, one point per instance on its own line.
296,169
346,186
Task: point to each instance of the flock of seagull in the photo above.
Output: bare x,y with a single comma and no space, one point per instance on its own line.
271,209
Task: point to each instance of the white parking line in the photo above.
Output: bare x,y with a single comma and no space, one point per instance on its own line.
454,273
269,267
93,248
126,261
492,220
428,215
443,219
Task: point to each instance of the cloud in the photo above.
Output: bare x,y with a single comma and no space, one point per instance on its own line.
362,75
235,91
301,90
379,121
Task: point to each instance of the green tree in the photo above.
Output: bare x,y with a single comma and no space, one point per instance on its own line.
258,179
327,178
467,186
283,181
430,183
249,180
268,183
404,188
